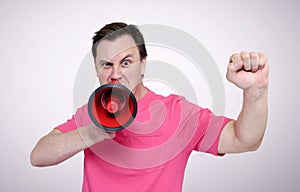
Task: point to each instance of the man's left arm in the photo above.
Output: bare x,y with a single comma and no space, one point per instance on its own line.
248,71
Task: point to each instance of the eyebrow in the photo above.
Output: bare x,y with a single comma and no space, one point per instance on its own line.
102,61
128,55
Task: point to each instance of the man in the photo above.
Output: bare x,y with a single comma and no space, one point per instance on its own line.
151,154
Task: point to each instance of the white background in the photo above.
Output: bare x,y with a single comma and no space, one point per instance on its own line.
42,44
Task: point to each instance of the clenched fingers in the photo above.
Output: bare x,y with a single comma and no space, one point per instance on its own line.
247,61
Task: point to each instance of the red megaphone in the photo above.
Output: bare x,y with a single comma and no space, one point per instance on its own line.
112,107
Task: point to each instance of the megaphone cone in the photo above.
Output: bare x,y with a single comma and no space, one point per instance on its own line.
112,107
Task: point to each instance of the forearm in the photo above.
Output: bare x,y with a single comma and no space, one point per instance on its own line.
56,147
251,123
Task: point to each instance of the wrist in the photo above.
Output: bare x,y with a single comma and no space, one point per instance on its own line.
85,136
255,93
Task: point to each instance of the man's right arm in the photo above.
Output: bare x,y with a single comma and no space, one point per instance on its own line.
56,146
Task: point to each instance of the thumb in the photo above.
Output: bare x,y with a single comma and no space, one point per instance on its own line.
109,135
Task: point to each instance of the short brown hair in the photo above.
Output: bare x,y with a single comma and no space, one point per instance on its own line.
114,30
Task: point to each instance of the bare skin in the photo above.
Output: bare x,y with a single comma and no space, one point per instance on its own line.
248,71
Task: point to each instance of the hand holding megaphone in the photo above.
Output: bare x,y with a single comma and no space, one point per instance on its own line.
91,134
112,107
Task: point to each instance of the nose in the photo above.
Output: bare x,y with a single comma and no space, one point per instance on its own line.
116,73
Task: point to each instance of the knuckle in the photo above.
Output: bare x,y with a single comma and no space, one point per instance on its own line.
232,57
253,55
245,55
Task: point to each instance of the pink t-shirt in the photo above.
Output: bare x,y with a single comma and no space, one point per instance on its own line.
150,154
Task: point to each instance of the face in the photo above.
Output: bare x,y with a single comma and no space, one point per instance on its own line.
119,60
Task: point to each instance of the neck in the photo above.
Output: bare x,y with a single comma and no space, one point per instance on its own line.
139,91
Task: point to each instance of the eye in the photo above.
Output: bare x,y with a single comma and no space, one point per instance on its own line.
125,63
107,65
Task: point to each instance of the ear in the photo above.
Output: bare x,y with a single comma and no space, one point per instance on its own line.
143,66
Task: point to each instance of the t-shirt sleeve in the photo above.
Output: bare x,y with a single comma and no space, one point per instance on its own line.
210,127
79,119
68,126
